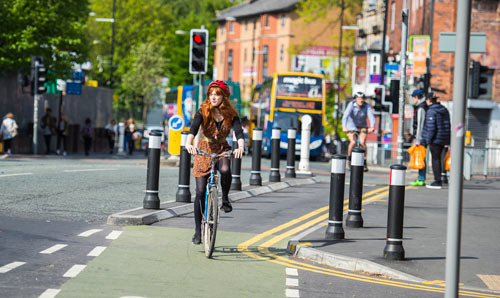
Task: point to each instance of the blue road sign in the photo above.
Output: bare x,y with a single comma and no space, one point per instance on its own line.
176,123
391,67
73,88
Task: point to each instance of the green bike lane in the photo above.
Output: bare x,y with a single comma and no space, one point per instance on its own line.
148,261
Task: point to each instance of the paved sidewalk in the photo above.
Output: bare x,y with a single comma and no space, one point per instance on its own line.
424,238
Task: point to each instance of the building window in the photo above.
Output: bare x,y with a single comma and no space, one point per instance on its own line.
393,15
267,21
254,24
221,57
372,5
222,29
282,52
264,61
374,64
253,55
245,55
283,20
231,27
246,25
230,65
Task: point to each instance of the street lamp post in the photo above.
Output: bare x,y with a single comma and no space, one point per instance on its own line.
339,68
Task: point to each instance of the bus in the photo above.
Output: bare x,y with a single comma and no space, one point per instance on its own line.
282,100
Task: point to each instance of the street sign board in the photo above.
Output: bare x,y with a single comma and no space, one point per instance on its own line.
176,123
391,67
73,88
447,42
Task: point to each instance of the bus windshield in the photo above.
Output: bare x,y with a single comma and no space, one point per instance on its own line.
299,86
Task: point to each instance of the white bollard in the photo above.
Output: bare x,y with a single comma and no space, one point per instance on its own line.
121,138
305,140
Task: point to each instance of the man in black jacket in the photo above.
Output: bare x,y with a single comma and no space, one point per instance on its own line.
419,109
436,134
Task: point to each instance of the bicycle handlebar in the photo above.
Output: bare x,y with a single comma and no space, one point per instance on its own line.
214,155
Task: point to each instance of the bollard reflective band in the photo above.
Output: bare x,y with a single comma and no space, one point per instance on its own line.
235,176
151,191
335,221
257,135
394,240
354,211
357,159
290,167
397,177
181,185
275,169
255,172
183,139
292,133
154,142
276,134
338,166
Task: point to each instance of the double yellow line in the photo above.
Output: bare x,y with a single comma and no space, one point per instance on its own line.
262,252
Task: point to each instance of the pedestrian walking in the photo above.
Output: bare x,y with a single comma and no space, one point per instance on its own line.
111,133
354,123
8,131
436,135
419,109
131,135
62,133
48,126
216,117
88,135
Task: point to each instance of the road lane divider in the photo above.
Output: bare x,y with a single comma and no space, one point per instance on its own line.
53,248
13,175
89,232
261,252
11,266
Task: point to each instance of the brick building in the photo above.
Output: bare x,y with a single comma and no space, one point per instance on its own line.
260,37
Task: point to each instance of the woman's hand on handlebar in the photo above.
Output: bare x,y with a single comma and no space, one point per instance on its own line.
238,153
191,149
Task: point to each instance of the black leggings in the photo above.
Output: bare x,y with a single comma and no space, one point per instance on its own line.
201,187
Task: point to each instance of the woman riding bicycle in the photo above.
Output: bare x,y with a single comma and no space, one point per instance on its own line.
216,117
354,122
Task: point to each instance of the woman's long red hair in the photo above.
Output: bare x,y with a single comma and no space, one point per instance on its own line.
227,110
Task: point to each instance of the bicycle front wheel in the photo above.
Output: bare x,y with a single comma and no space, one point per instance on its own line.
210,228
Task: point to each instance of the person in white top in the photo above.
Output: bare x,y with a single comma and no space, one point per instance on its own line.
8,131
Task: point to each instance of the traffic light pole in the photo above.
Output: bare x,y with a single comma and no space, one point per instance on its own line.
337,92
35,108
455,194
404,40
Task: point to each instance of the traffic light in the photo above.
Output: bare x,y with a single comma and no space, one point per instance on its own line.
478,77
395,96
378,99
198,51
40,72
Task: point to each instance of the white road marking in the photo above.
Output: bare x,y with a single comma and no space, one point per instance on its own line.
292,282
292,272
88,170
96,251
89,232
292,293
10,266
114,235
53,248
50,293
20,174
74,271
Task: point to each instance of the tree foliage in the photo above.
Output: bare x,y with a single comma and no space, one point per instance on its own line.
142,79
47,28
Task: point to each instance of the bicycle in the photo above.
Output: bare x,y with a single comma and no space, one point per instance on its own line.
210,217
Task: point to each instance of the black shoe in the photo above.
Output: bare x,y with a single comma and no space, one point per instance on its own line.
435,185
366,168
196,239
226,206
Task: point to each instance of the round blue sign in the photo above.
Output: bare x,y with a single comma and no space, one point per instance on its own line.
176,123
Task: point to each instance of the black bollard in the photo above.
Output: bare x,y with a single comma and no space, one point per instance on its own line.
236,169
394,245
290,155
183,193
255,178
336,209
354,218
151,200
274,174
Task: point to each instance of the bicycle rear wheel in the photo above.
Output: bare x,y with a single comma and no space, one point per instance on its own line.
210,225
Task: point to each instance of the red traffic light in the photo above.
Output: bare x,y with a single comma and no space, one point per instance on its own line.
378,90
197,38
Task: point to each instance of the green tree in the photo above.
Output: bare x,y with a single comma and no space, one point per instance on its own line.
47,28
143,78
